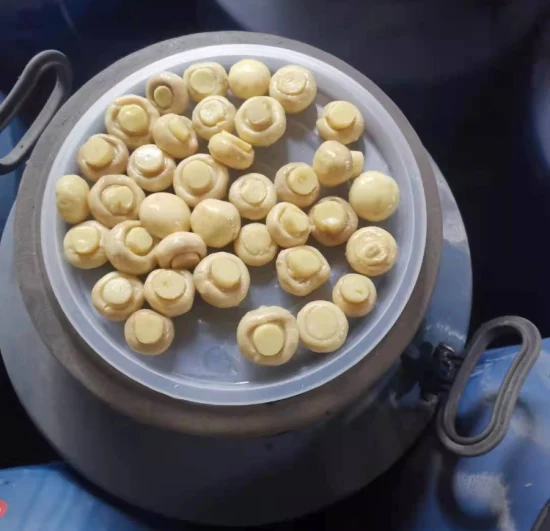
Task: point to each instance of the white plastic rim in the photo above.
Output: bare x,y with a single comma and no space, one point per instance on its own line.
204,364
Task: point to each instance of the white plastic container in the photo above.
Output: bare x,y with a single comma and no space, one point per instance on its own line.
204,365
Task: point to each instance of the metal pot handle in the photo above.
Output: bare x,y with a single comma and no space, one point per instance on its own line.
507,395
22,89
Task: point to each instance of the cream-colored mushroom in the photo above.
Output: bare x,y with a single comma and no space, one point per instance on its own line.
301,270
231,151
334,163
175,135
297,183
217,222
131,118
162,214
294,87
288,225
147,332
168,93
374,196
355,295
213,115
71,198
200,177
268,336
180,250
248,78
130,248
115,198
371,251
333,221
102,155
117,296
254,195
205,79
341,121
151,168
222,280
254,245
84,245
323,326
170,292
260,121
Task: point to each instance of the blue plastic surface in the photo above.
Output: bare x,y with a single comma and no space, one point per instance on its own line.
48,498
503,490
10,182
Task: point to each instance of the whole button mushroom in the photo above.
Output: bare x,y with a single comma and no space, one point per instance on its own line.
261,121
231,151
297,183
162,214
168,93
170,292
254,195
130,248
115,198
149,333
333,221
200,177
175,135
355,295
181,250
217,222
102,155
371,251
205,79
249,78
131,119
213,115
151,168
84,245
374,196
288,225
341,121
222,280
302,270
334,163
294,87
71,198
323,326
268,336
254,245
116,295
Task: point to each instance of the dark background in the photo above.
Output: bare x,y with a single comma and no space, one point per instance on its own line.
471,107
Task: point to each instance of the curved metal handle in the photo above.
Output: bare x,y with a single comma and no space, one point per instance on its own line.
507,395
32,73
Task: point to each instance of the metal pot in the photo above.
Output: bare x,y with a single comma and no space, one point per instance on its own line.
304,421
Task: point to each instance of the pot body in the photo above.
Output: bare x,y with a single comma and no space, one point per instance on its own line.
244,481
151,460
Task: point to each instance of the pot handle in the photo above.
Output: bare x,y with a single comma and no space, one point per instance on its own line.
22,89
507,395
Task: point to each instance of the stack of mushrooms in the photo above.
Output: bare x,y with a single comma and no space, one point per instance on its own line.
169,220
